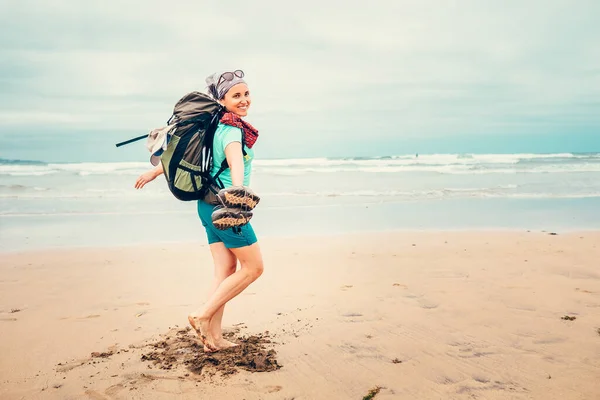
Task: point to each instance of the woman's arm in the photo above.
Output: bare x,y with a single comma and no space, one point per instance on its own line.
235,160
149,176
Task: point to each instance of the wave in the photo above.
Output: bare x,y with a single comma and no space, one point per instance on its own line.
32,193
505,191
278,199
436,163
446,169
5,161
17,188
83,169
430,159
88,213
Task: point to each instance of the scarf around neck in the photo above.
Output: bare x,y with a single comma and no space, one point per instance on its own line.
249,132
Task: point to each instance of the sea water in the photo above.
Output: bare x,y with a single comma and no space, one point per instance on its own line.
95,204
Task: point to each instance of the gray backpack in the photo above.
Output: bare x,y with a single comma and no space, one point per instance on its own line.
188,159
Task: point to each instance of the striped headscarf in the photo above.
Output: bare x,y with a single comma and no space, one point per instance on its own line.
218,89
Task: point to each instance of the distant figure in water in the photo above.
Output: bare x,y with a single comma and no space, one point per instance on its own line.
226,246
417,155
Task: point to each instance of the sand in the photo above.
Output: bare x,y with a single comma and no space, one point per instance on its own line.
425,315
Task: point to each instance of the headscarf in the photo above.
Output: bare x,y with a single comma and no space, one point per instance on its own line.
218,92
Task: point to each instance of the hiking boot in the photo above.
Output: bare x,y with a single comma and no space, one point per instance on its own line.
225,218
239,197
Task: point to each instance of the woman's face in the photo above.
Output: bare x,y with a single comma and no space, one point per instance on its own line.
237,100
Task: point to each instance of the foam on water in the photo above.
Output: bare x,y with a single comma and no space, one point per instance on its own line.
35,187
438,163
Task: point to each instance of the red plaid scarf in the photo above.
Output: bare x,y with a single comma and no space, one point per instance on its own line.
250,133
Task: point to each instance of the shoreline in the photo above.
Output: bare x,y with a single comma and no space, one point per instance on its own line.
304,236
115,230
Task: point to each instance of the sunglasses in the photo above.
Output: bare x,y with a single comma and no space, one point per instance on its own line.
228,76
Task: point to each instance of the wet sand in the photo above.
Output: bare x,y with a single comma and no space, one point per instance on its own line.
427,315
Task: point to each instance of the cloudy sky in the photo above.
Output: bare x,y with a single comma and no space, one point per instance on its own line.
327,77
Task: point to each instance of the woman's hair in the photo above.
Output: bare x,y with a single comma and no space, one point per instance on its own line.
212,91
219,83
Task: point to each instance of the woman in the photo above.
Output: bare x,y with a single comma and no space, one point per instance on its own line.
230,245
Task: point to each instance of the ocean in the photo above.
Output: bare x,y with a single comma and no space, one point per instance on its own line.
45,205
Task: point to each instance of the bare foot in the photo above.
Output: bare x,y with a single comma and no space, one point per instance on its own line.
201,326
221,344
225,344
217,334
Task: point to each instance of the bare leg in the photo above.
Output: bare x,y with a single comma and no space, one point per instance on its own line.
251,268
225,264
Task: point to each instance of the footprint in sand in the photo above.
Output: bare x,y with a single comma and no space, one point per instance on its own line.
8,319
550,340
361,351
421,300
426,304
272,388
113,390
114,348
584,291
477,386
469,352
411,295
353,317
345,287
88,316
92,394
445,380
481,379
64,367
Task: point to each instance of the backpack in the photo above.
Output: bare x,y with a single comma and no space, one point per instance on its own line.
188,160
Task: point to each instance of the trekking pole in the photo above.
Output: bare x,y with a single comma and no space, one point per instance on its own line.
131,140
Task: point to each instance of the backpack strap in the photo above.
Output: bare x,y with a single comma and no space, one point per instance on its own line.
216,178
225,165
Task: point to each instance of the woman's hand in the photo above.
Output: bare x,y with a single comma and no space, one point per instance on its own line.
148,176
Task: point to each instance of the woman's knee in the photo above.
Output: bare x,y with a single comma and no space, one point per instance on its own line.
255,268
251,260
223,271
225,261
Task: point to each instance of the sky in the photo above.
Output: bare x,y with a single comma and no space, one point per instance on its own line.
328,78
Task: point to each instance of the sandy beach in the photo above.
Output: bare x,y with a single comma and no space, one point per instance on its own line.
424,315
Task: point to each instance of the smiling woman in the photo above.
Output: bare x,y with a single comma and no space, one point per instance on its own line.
238,98
233,142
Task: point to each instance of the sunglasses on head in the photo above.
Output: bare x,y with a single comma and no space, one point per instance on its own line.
228,76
